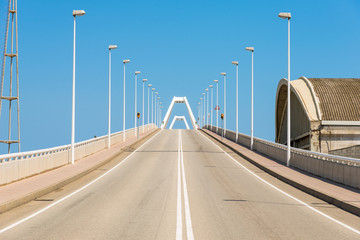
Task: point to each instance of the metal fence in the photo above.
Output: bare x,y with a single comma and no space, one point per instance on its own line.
340,169
16,166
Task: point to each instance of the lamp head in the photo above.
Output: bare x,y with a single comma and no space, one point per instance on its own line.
149,85
156,92
211,86
111,47
145,79
216,81
153,89
235,62
224,74
251,49
206,89
137,72
78,13
285,15
126,61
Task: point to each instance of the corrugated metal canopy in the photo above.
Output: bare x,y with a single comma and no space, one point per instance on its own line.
339,98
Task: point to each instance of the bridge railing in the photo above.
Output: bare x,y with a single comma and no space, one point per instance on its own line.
16,166
340,169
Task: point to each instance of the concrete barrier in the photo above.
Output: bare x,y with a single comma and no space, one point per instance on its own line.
16,166
336,168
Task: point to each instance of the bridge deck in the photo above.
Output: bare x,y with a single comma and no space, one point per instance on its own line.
179,185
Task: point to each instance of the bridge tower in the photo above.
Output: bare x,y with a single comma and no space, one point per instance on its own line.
11,79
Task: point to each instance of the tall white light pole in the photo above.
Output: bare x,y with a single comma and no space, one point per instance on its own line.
158,111
207,106
211,106
161,107
111,47
143,105
237,98
155,108
217,104
204,112
288,16
225,116
201,122
251,49
152,105
136,73
148,111
199,115
75,13
124,61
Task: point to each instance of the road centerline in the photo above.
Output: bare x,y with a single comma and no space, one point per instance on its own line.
179,210
189,230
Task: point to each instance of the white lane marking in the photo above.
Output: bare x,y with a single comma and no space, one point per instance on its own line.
286,194
73,193
178,213
189,230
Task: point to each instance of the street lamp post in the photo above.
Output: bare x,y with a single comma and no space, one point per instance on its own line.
251,49
201,108
225,116
136,73
111,47
124,61
211,106
143,106
198,121
158,112
148,111
288,16
155,108
237,99
75,13
207,106
217,104
204,112
152,105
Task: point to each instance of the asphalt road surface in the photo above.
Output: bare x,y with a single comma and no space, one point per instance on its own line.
178,185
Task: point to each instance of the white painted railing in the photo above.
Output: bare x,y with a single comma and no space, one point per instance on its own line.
337,168
16,166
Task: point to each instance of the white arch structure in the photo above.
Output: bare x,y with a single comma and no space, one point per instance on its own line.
179,118
168,113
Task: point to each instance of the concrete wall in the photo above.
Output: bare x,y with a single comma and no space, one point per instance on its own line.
336,168
16,166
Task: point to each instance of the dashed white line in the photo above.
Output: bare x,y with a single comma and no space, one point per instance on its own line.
286,194
73,193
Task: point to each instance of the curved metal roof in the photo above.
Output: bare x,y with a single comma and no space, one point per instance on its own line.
339,98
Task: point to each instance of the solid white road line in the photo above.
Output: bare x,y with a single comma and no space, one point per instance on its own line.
189,230
179,212
73,193
286,194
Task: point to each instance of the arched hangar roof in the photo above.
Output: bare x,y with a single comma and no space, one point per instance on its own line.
323,99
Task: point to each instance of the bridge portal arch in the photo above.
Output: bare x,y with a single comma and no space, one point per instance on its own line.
179,118
168,113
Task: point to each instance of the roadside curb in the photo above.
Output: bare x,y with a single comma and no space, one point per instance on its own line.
316,193
36,194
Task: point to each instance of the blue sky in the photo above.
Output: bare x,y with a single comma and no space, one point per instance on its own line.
181,47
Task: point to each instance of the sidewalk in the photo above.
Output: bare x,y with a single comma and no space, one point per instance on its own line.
20,192
344,197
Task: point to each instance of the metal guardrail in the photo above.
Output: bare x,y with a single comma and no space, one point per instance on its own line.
340,169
